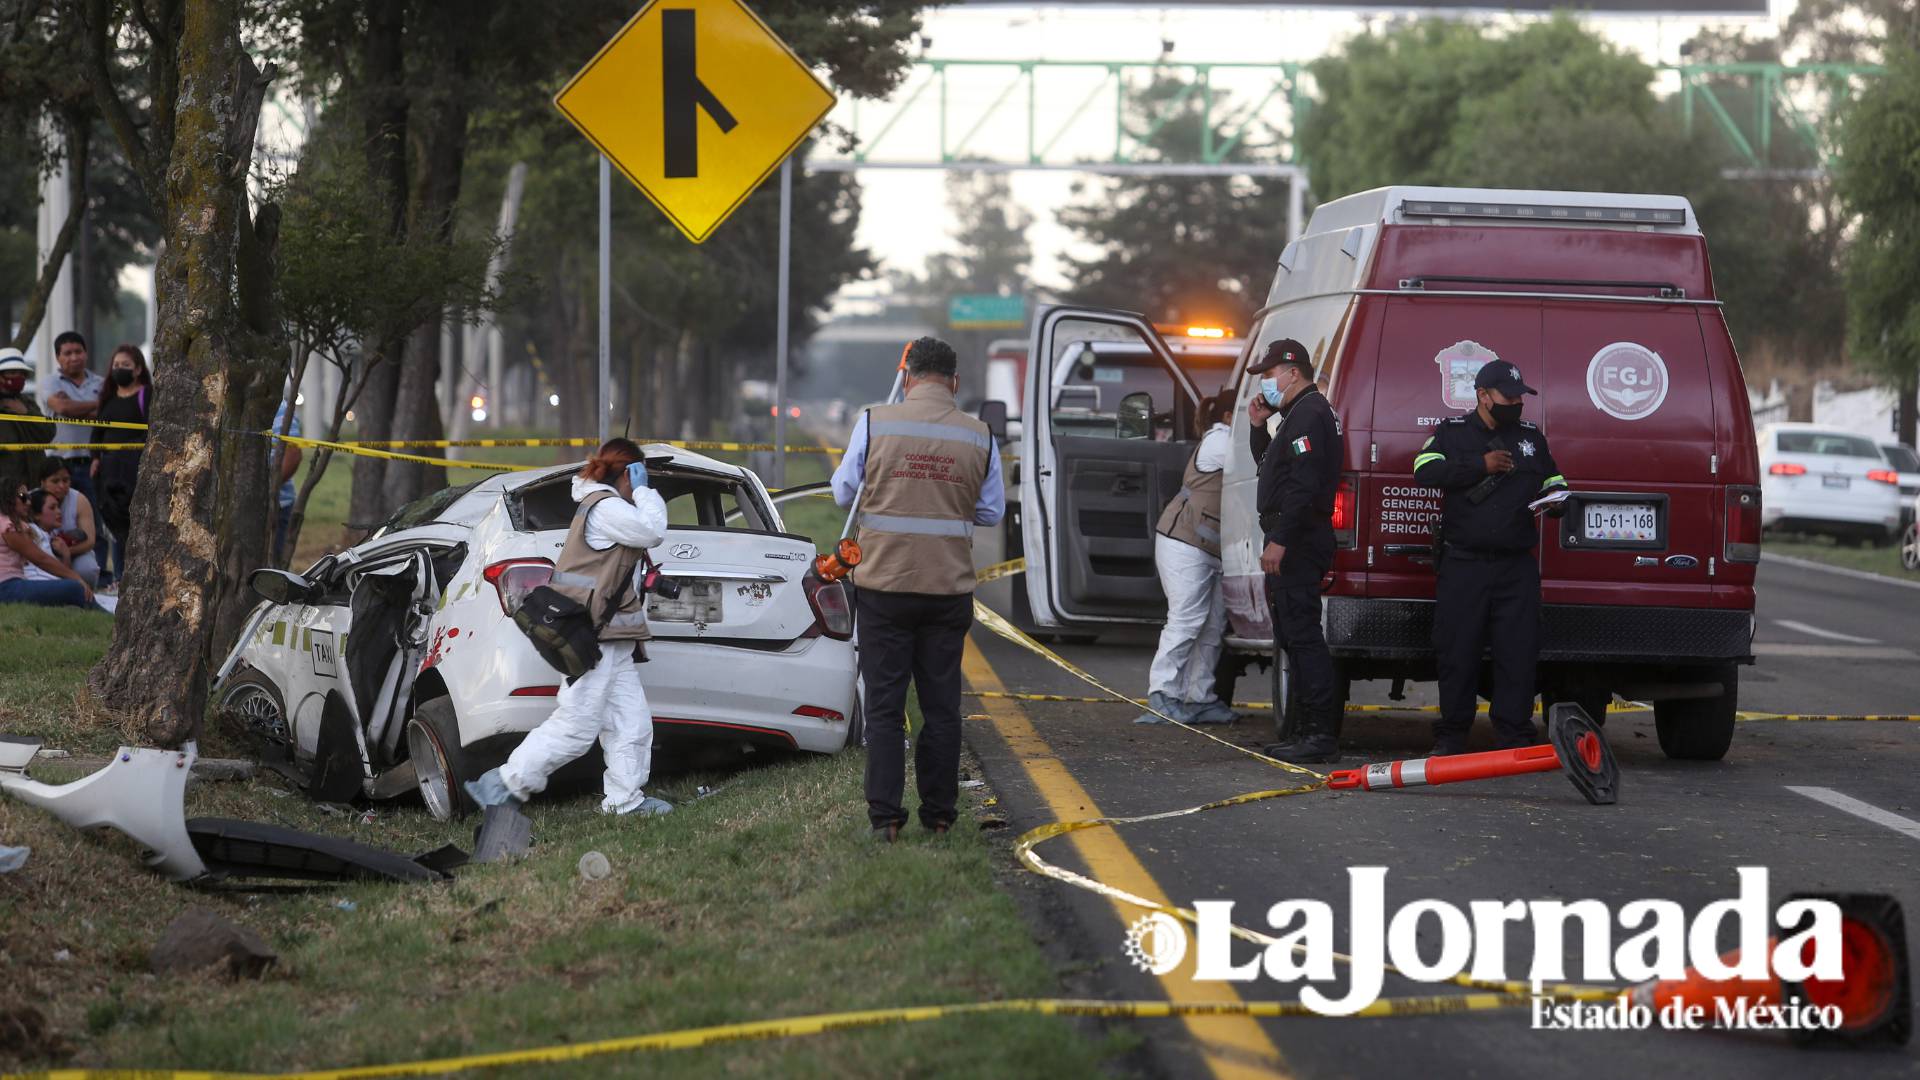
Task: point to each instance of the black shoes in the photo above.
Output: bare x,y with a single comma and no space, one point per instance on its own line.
1306,750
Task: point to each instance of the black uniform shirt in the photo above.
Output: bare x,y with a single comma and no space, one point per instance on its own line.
1299,470
1454,459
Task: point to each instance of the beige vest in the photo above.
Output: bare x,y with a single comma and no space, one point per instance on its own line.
1193,517
926,461
593,578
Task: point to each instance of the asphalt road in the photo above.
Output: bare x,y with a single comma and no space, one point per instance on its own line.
1827,644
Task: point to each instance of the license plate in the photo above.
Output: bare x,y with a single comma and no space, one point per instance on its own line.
699,601
1621,521
1840,482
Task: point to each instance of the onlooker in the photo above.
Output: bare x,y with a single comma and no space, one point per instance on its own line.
16,466
128,397
289,462
76,396
18,551
43,524
76,519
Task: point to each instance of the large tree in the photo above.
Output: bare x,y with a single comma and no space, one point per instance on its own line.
1880,184
185,120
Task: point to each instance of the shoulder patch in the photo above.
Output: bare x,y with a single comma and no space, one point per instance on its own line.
1527,423
1454,420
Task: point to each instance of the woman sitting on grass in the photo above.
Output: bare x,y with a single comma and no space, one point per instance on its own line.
18,551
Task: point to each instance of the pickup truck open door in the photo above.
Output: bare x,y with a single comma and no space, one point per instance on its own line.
1109,421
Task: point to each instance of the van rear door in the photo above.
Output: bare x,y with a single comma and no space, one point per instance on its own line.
1627,402
1101,464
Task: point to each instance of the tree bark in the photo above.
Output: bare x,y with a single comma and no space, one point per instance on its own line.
188,503
383,91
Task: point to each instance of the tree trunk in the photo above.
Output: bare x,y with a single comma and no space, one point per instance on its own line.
1904,410
187,503
374,417
76,132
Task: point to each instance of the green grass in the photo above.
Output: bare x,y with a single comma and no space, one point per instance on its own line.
1875,560
765,899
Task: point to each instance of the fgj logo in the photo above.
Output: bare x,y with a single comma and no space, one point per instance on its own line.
1435,941
1627,381
1156,943
1459,363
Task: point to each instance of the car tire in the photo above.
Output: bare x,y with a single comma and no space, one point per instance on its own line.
256,707
857,725
1910,548
1699,729
439,761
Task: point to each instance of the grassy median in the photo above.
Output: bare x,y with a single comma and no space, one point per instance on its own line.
1824,549
764,899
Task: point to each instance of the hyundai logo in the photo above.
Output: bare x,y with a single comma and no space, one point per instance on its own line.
684,551
1682,562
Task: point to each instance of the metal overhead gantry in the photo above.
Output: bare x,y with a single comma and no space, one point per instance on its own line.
1802,99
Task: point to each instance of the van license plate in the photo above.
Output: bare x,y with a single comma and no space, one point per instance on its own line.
1621,521
1841,482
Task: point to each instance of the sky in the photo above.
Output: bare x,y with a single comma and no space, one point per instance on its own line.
904,216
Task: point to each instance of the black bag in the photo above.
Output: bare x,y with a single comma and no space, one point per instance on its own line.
561,630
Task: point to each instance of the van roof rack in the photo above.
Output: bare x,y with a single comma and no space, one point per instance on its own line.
1665,290
1498,206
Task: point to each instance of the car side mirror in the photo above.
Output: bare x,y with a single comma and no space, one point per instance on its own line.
280,586
994,415
1135,416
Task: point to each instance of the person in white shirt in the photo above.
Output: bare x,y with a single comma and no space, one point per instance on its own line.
1186,552
600,566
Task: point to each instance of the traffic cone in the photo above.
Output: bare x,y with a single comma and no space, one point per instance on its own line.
1575,746
1874,993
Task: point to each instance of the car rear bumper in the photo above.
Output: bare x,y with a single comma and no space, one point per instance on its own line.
1782,508
1383,629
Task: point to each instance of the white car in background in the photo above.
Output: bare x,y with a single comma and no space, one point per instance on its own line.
395,664
1825,480
1907,464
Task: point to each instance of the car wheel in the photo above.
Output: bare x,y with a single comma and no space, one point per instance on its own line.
253,704
857,726
1699,729
439,761
1910,548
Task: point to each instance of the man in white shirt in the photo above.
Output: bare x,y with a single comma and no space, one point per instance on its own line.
1186,551
76,396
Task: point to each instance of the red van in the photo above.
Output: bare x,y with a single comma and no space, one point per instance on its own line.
1606,303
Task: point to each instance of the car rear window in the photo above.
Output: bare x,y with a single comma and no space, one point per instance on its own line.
1830,443
694,500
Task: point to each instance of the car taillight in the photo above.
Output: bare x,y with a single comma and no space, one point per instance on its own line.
515,578
820,712
1743,523
1787,468
1885,476
1345,501
832,610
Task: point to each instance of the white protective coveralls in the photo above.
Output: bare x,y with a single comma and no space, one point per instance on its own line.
608,701
1190,642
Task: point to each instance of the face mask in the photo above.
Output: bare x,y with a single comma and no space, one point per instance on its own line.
637,475
122,377
1270,391
1505,415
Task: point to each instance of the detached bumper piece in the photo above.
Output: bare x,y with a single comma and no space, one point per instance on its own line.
1403,629
142,793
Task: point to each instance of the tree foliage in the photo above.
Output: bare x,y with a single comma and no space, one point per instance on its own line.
1880,183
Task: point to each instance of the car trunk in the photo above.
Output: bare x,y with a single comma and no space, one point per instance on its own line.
734,585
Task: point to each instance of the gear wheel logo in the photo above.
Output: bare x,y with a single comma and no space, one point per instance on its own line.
1156,943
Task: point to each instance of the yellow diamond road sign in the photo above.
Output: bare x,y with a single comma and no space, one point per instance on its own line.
696,101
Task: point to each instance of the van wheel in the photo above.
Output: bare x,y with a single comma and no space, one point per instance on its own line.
440,762
1699,729
1287,713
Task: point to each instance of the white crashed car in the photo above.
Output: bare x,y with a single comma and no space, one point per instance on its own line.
395,665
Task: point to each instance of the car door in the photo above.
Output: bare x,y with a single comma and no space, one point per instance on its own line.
1101,472
392,604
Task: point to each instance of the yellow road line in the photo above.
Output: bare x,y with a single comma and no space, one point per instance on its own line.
1233,1047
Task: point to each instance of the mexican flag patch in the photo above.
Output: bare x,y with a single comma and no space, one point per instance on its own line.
1302,445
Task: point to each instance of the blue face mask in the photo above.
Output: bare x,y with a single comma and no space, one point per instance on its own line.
637,475
1270,390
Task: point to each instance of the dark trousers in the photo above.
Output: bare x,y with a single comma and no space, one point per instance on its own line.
911,636
282,517
1480,603
1294,598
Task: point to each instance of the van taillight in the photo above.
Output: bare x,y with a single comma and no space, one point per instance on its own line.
515,578
1345,502
832,611
1743,524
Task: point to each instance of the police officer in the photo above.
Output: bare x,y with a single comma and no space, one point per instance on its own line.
930,474
1296,439
1491,464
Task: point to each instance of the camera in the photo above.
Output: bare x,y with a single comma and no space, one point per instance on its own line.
660,585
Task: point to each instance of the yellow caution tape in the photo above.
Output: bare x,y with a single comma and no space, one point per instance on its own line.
72,446
391,455
1895,718
33,418
684,444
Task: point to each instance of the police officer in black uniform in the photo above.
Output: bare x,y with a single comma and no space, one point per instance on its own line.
1491,464
1299,469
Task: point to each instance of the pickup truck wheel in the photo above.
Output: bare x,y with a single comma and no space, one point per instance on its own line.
1699,729
440,762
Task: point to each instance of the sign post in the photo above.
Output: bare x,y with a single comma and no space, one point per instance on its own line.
696,105
780,329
